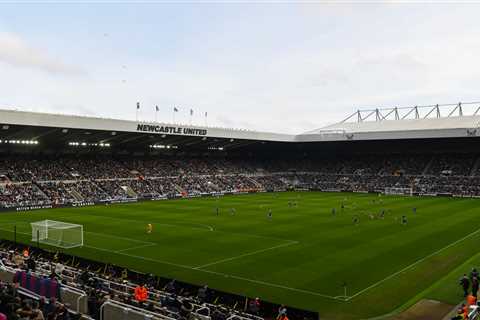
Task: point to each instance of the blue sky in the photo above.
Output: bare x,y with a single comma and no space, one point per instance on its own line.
285,67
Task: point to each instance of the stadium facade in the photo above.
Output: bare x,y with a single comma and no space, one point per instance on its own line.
382,129
57,132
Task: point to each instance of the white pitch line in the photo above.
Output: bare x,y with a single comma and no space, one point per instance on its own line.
8,224
274,285
140,257
412,265
221,274
107,235
181,224
210,228
247,254
17,232
281,286
111,235
192,225
254,236
137,247
146,243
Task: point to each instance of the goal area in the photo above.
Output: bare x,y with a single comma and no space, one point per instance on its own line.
398,191
57,233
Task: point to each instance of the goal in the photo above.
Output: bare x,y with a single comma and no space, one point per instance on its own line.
398,191
56,233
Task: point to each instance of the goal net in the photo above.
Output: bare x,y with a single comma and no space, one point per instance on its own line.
398,191
57,233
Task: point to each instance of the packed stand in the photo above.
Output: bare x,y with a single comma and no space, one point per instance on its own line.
451,165
22,194
70,181
117,286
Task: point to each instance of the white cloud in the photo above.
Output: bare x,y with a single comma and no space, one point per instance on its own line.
290,73
17,52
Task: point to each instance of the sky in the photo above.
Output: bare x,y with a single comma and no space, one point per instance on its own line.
286,67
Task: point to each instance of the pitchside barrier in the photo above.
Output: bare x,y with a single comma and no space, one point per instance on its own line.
398,191
114,310
107,202
113,201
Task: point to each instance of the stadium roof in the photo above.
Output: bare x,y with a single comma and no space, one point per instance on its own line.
452,127
408,125
29,125
14,117
19,127
419,122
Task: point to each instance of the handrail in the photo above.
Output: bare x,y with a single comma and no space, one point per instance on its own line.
127,308
81,294
36,296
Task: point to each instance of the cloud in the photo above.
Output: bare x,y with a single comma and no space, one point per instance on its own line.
17,52
296,69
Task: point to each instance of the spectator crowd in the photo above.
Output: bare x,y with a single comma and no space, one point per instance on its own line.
21,298
67,181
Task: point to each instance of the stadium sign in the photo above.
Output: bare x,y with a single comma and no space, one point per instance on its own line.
29,208
171,130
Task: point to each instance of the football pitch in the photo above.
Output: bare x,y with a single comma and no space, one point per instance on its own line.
304,256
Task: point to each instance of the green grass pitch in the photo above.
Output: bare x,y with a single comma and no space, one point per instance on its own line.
300,257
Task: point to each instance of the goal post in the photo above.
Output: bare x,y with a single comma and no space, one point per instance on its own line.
405,191
57,233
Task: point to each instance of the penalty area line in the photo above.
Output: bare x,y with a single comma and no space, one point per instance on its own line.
175,224
225,275
290,243
107,235
264,283
136,247
19,232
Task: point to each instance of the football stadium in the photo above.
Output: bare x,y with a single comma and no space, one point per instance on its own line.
373,217
239,160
